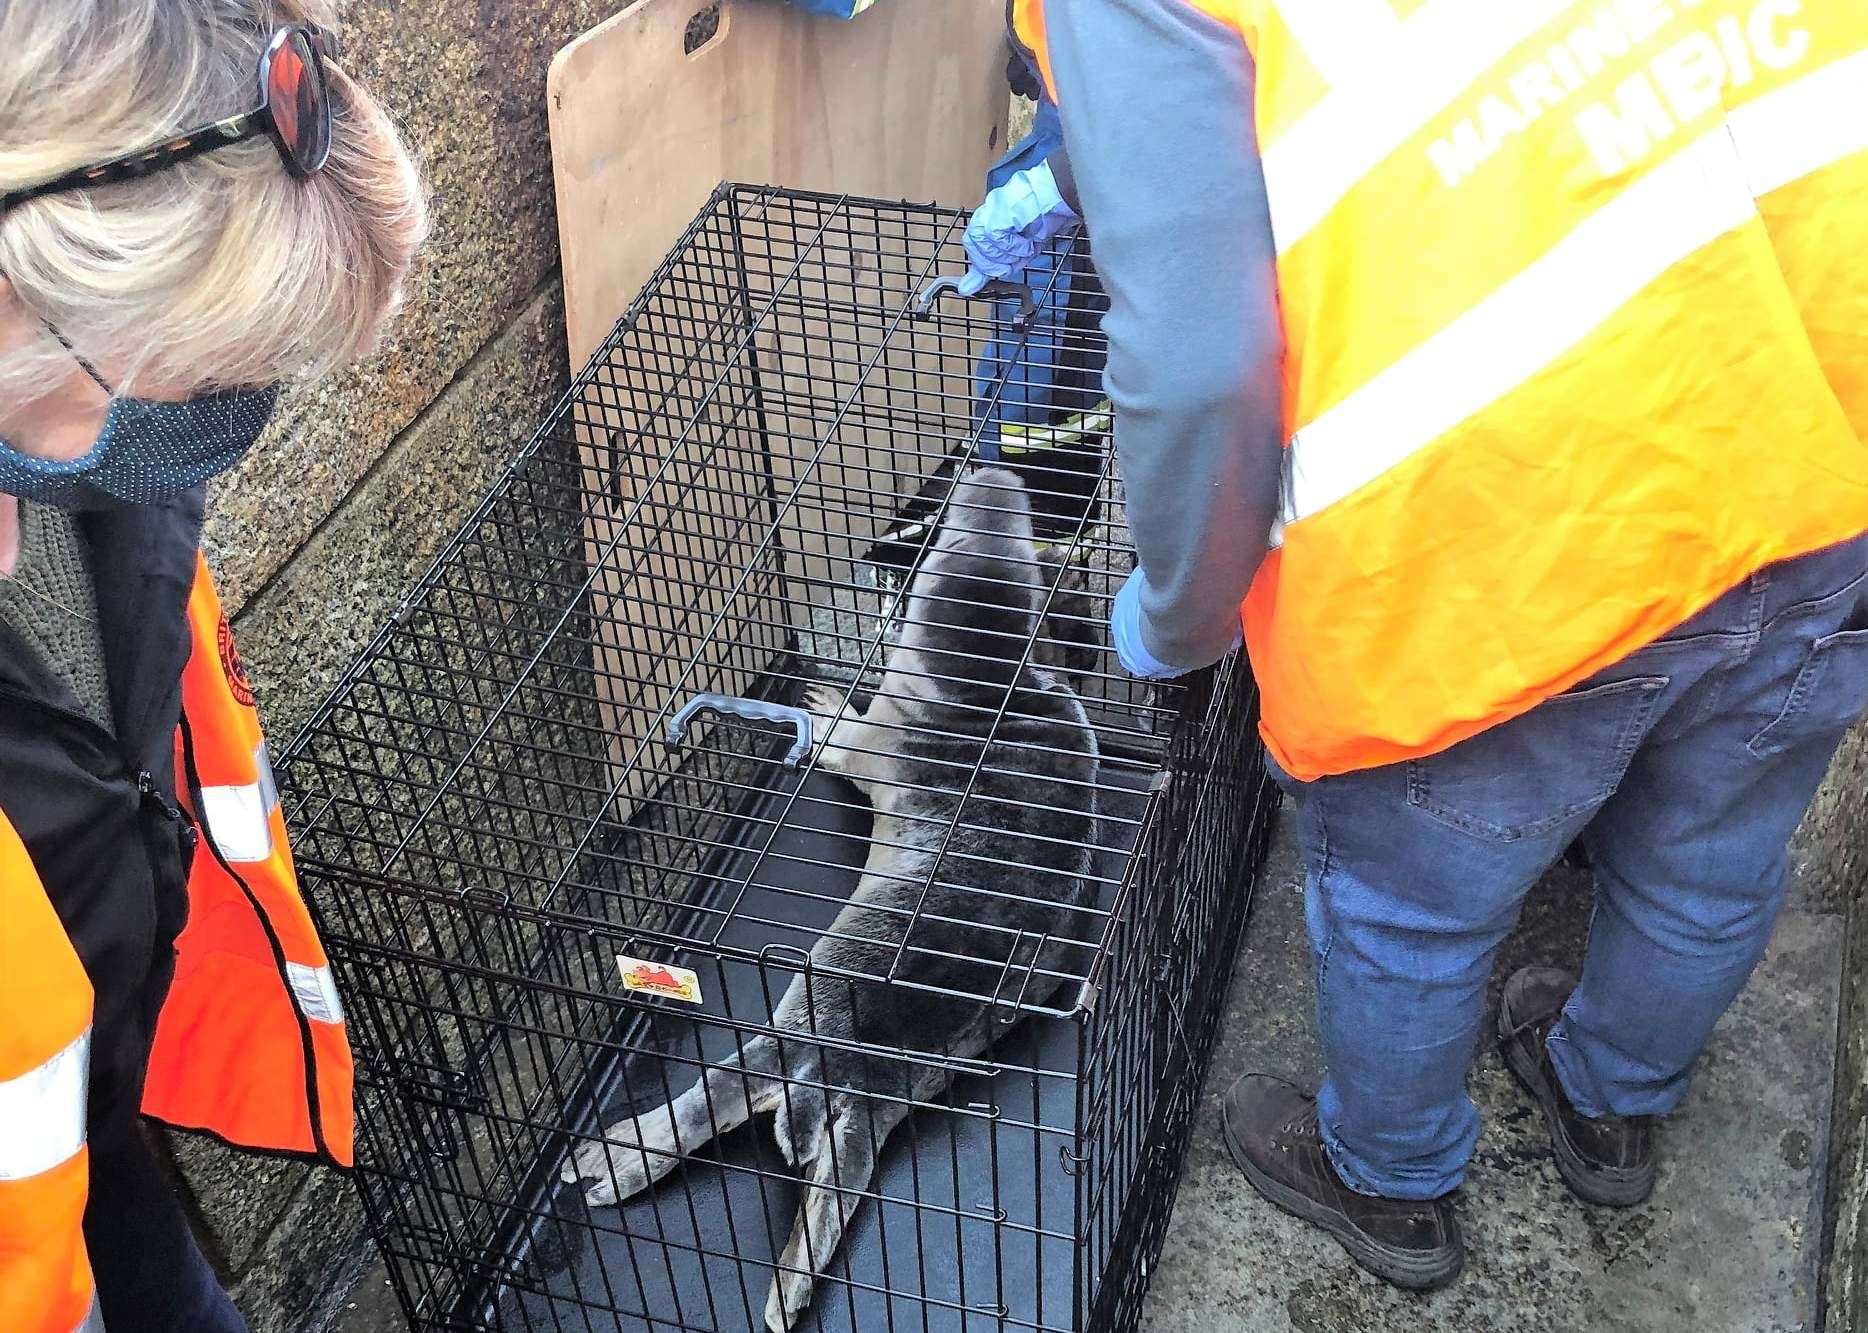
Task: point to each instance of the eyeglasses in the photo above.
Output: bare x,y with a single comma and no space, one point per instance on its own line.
294,110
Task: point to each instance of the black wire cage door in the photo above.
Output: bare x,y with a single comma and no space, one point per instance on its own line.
760,898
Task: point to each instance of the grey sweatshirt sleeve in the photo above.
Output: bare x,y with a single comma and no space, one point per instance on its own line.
1156,100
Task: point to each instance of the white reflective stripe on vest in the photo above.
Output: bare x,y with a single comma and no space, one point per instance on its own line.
1804,126
92,1322
1424,64
268,787
1347,40
315,990
239,819
42,1113
1703,192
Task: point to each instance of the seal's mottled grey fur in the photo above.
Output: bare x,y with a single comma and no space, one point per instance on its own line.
966,746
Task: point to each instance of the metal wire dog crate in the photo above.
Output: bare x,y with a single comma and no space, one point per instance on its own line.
551,825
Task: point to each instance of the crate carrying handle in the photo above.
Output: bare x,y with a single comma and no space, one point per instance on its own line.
754,710
996,289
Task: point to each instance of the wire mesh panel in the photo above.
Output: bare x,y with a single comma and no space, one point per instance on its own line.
761,899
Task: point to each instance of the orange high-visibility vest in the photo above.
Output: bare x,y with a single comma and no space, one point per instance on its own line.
45,1037
1574,309
250,1045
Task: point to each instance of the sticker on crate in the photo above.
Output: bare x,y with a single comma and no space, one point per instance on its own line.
677,983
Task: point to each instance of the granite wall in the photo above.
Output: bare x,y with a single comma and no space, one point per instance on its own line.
360,479
1833,850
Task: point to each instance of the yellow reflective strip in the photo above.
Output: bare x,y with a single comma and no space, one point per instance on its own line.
42,1113
1016,437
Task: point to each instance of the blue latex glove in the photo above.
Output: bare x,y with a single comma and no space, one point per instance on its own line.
1125,631
1012,225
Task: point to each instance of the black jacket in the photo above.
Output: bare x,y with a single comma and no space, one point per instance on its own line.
97,811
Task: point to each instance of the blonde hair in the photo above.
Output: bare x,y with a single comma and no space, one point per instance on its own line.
223,271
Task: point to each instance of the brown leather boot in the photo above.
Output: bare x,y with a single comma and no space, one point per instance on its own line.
1608,1161
1271,1131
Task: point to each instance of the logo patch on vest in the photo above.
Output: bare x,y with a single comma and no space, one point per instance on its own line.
231,665
677,983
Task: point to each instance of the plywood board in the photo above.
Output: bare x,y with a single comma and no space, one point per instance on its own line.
905,101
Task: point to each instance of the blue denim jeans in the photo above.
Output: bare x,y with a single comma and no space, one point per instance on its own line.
1684,768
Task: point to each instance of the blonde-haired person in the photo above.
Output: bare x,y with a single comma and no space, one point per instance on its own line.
197,203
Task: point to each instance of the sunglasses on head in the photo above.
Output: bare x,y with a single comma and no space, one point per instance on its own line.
294,111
